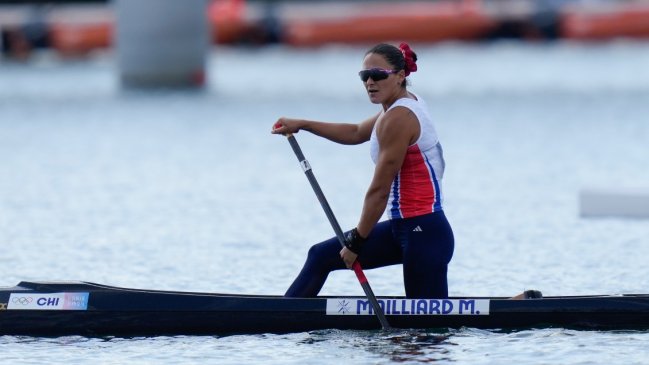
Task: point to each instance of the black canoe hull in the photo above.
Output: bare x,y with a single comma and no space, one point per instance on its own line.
111,311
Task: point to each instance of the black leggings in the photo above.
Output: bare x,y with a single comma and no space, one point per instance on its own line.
423,244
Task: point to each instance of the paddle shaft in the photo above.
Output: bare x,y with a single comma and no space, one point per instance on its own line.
358,270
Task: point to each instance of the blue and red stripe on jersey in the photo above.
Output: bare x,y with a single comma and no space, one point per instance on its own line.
415,190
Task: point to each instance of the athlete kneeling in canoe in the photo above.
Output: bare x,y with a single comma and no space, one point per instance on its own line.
407,180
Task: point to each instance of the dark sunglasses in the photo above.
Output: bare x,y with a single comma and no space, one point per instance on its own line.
376,74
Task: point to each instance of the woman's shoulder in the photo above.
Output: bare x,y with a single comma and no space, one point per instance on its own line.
399,116
411,100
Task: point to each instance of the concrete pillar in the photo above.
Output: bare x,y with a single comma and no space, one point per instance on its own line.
162,43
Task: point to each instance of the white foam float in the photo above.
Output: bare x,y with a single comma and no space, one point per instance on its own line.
629,203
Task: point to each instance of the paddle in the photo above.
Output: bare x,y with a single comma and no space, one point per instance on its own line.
358,270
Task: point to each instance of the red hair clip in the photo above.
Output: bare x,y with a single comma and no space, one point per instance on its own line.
409,57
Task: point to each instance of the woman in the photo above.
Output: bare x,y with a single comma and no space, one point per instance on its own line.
407,180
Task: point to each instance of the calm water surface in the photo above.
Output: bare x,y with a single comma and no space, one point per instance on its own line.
189,191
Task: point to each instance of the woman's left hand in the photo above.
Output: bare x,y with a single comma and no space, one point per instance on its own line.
348,257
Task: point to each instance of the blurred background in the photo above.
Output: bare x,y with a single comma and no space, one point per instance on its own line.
74,28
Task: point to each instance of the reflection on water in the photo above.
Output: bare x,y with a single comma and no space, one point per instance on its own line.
398,345
417,346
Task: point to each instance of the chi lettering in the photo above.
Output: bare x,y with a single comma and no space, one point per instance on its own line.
48,302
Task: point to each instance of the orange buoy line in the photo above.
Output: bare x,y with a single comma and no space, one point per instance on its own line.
356,23
78,30
605,22
78,39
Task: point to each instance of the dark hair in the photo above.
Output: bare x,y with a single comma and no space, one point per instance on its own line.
394,56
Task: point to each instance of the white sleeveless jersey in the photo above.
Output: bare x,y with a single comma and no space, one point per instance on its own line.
416,190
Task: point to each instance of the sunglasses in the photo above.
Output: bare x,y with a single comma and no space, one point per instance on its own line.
376,74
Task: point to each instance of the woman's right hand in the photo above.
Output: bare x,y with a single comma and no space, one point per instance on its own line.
348,256
286,126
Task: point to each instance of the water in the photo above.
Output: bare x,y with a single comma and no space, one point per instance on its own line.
189,191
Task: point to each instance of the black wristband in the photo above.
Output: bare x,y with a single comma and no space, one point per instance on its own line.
354,242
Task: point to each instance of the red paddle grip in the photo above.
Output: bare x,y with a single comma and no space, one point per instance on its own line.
356,266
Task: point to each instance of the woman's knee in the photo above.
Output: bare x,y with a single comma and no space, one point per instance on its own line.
316,252
324,255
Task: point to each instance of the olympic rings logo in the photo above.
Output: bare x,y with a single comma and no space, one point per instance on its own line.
22,300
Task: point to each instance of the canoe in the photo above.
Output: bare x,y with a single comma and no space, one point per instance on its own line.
88,309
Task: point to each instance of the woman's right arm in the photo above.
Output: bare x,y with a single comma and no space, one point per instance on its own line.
344,133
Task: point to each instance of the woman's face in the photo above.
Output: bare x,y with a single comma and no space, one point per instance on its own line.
386,89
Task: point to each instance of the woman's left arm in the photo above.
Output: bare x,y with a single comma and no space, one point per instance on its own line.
397,130
395,133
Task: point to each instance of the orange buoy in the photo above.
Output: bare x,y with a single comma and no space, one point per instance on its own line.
582,23
226,18
76,39
417,22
